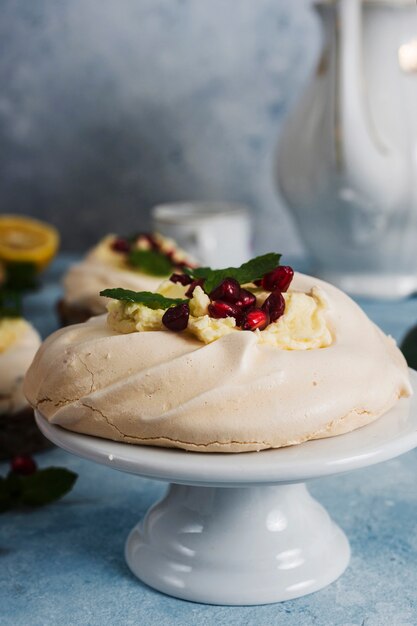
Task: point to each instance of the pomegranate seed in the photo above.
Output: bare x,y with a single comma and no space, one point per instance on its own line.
23,465
219,309
227,291
183,279
194,284
274,305
246,299
280,278
121,245
255,318
176,318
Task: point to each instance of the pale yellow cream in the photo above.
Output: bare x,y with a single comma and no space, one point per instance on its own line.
302,327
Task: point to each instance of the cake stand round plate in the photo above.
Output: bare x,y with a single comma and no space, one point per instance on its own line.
242,529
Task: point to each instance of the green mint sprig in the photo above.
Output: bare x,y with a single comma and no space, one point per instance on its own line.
40,488
247,273
149,299
20,277
150,262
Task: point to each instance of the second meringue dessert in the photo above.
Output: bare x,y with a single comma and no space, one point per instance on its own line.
138,262
230,360
19,342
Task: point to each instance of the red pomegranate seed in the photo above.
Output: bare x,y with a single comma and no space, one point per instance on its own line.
227,291
120,245
183,279
255,318
219,309
176,318
23,465
194,284
280,278
274,305
246,299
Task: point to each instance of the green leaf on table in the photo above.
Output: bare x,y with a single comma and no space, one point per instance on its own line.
247,273
46,485
148,298
42,487
150,262
9,496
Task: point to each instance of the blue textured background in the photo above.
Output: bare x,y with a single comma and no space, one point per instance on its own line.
63,565
107,108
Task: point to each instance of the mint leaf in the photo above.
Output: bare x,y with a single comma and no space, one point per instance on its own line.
151,262
149,299
46,485
42,487
20,276
10,303
9,493
246,273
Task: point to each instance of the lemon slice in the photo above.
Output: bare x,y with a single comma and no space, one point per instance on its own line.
23,239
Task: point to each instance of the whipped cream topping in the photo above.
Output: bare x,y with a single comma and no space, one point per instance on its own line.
234,394
19,342
103,268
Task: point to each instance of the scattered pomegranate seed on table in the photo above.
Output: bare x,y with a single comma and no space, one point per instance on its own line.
176,318
23,465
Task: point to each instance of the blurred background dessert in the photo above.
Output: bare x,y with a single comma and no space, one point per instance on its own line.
27,246
138,262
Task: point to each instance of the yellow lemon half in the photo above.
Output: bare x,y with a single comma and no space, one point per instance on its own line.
23,239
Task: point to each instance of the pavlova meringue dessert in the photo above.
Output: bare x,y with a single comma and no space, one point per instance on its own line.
19,342
138,262
229,360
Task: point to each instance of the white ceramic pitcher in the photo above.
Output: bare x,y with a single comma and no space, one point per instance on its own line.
347,162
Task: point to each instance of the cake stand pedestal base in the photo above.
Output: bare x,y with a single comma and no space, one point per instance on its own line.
242,528
244,545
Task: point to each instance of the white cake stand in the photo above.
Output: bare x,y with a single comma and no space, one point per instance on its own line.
242,528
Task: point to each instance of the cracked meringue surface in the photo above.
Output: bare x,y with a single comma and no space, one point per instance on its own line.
232,395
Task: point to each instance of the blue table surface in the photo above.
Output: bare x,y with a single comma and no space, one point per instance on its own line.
64,564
